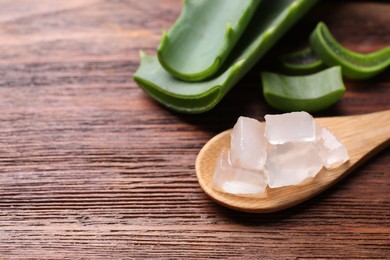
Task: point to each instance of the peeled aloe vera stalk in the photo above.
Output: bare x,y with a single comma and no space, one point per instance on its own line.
309,93
301,62
354,65
273,19
203,36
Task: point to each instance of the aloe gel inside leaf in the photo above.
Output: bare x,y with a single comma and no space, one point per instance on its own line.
271,20
203,36
301,62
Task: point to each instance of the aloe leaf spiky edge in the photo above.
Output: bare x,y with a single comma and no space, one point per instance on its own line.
198,97
354,65
210,50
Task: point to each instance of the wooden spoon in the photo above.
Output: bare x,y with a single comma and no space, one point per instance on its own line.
363,136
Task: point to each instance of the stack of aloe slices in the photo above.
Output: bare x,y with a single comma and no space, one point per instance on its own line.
211,46
317,87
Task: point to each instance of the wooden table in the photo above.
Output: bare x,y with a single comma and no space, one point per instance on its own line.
91,167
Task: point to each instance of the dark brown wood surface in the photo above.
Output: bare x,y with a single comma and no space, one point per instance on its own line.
91,167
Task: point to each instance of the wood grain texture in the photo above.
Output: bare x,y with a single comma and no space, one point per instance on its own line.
91,167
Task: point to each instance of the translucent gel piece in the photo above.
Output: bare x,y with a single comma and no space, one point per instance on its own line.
331,150
236,180
248,145
292,163
290,127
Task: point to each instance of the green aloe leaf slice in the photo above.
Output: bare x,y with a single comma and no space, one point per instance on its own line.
273,19
301,62
354,65
201,39
309,93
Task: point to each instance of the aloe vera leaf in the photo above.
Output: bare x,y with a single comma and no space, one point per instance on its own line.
354,65
301,62
309,93
274,18
201,39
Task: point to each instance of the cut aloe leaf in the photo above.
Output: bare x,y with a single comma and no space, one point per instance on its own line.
273,19
301,62
201,39
354,65
309,93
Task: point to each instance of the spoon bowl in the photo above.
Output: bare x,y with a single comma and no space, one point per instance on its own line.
362,135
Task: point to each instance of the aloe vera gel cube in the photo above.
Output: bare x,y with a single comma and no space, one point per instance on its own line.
248,144
291,163
331,150
290,127
236,180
